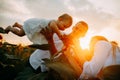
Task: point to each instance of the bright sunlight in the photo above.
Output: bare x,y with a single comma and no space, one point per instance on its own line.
84,42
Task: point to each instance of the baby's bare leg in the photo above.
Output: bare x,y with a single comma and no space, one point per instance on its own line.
7,30
17,31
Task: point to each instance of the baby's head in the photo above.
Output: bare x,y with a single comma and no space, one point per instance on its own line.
65,21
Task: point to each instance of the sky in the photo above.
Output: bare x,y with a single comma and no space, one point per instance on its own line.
102,16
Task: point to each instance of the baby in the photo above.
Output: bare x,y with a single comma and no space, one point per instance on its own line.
33,28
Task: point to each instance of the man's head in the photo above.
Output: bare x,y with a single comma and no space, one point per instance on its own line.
80,29
65,20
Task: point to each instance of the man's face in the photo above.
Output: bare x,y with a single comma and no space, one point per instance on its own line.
79,30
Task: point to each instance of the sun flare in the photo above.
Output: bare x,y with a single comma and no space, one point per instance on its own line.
84,42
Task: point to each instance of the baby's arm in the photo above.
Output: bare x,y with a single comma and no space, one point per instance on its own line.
19,31
55,29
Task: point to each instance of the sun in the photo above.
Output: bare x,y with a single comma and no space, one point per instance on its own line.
84,42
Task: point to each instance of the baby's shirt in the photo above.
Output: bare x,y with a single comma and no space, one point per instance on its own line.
32,28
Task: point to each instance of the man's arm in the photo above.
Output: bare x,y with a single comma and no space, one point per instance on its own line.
49,36
53,49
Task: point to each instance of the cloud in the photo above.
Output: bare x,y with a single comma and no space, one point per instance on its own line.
46,8
99,15
12,11
103,19
111,34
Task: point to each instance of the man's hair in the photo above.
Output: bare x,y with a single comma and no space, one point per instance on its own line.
84,23
84,27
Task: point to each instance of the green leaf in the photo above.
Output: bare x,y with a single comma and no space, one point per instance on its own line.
63,70
2,30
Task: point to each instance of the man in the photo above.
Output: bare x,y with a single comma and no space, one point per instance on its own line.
76,60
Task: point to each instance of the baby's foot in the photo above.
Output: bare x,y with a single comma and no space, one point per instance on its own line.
16,25
7,30
2,30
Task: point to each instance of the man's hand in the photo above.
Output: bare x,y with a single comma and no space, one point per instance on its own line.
49,36
47,33
67,40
